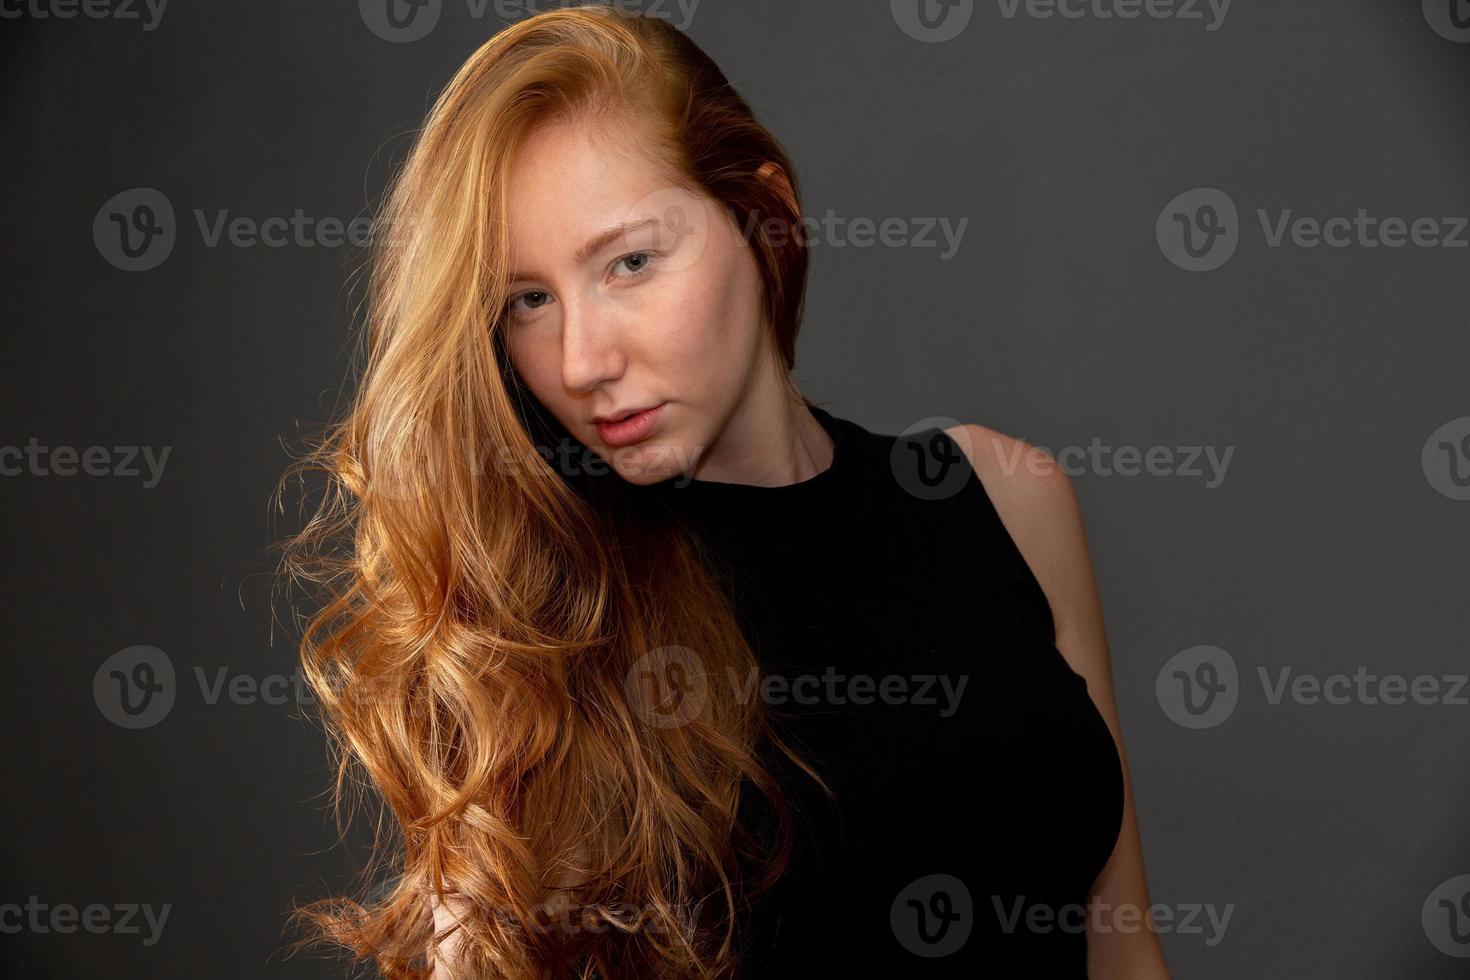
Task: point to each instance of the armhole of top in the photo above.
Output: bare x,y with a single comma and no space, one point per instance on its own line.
1006,541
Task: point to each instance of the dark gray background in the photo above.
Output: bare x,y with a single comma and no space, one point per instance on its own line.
1327,547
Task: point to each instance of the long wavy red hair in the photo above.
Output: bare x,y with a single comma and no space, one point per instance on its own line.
477,622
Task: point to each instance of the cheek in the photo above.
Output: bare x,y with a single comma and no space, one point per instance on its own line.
684,330
536,360
707,321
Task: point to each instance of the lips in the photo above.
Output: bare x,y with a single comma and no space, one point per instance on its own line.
630,427
616,416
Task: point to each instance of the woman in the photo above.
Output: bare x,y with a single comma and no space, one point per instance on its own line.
737,686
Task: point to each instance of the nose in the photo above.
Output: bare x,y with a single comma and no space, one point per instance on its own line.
591,345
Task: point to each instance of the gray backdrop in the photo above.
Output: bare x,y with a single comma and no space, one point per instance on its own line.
1212,257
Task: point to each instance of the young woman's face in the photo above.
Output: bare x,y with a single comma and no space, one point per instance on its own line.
627,293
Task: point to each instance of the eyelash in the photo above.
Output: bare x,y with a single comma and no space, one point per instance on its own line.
510,311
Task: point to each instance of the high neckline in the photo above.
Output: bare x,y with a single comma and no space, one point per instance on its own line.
821,477
730,501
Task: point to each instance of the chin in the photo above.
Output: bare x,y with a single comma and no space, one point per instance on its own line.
643,463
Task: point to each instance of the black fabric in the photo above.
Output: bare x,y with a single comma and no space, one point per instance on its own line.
1017,794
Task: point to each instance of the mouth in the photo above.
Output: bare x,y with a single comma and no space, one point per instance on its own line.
626,428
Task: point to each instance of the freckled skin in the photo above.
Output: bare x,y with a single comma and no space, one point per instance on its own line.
681,322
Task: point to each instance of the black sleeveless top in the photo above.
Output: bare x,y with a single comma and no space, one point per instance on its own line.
908,655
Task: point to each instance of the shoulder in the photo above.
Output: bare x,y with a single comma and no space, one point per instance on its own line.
1038,505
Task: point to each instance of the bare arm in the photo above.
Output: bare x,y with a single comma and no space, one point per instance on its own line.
1037,504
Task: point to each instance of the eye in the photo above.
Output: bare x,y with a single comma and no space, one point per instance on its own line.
636,262
535,298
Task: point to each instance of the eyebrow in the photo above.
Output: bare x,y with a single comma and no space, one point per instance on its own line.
597,243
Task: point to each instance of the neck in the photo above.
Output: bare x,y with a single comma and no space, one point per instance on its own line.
771,439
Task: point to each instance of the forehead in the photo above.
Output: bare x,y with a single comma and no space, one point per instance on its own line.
575,178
